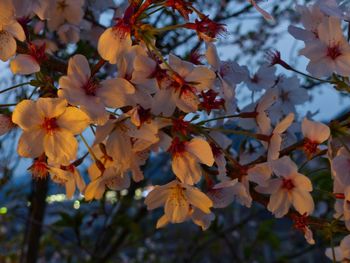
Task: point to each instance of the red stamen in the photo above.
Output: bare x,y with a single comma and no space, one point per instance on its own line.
144,114
91,86
300,222
195,57
287,184
274,58
177,147
179,83
181,126
38,52
124,25
39,169
50,125
210,101
207,27
183,7
333,52
310,147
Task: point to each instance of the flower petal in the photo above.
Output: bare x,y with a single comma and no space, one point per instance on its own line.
24,65
111,43
95,189
8,46
16,30
26,115
79,69
202,77
157,197
162,221
51,107
202,150
30,144
186,168
302,182
303,202
284,166
315,131
279,203
176,208
284,124
73,120
61,146
198,199
113,92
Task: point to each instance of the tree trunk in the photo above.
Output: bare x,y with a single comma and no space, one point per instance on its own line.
35,220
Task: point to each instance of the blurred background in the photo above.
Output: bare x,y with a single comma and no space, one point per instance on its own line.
118,228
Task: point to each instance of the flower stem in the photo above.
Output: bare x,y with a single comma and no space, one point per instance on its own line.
218,118
8,105
168,28
89,148
14,87
309,76
238,132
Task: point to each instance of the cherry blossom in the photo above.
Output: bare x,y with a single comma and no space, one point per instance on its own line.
116,40
330,53
59,11
186,81
314,133
186,157
229,74
177,198
9,30
113,176
226,134
264,78
256,114
49,127
80,88
69,177
224,193
311,18
342,252
289,188
26,64
6,124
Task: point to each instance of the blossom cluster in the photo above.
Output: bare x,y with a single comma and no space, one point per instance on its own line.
137,102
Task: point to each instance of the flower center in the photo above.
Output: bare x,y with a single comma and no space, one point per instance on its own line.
333,52
90,87
207,27
285,95
61,5
310,146
38,52
255,79
177,195
181,126
210,101
177,147
300,222
144,114
39,169
287,184
180,84
50,125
